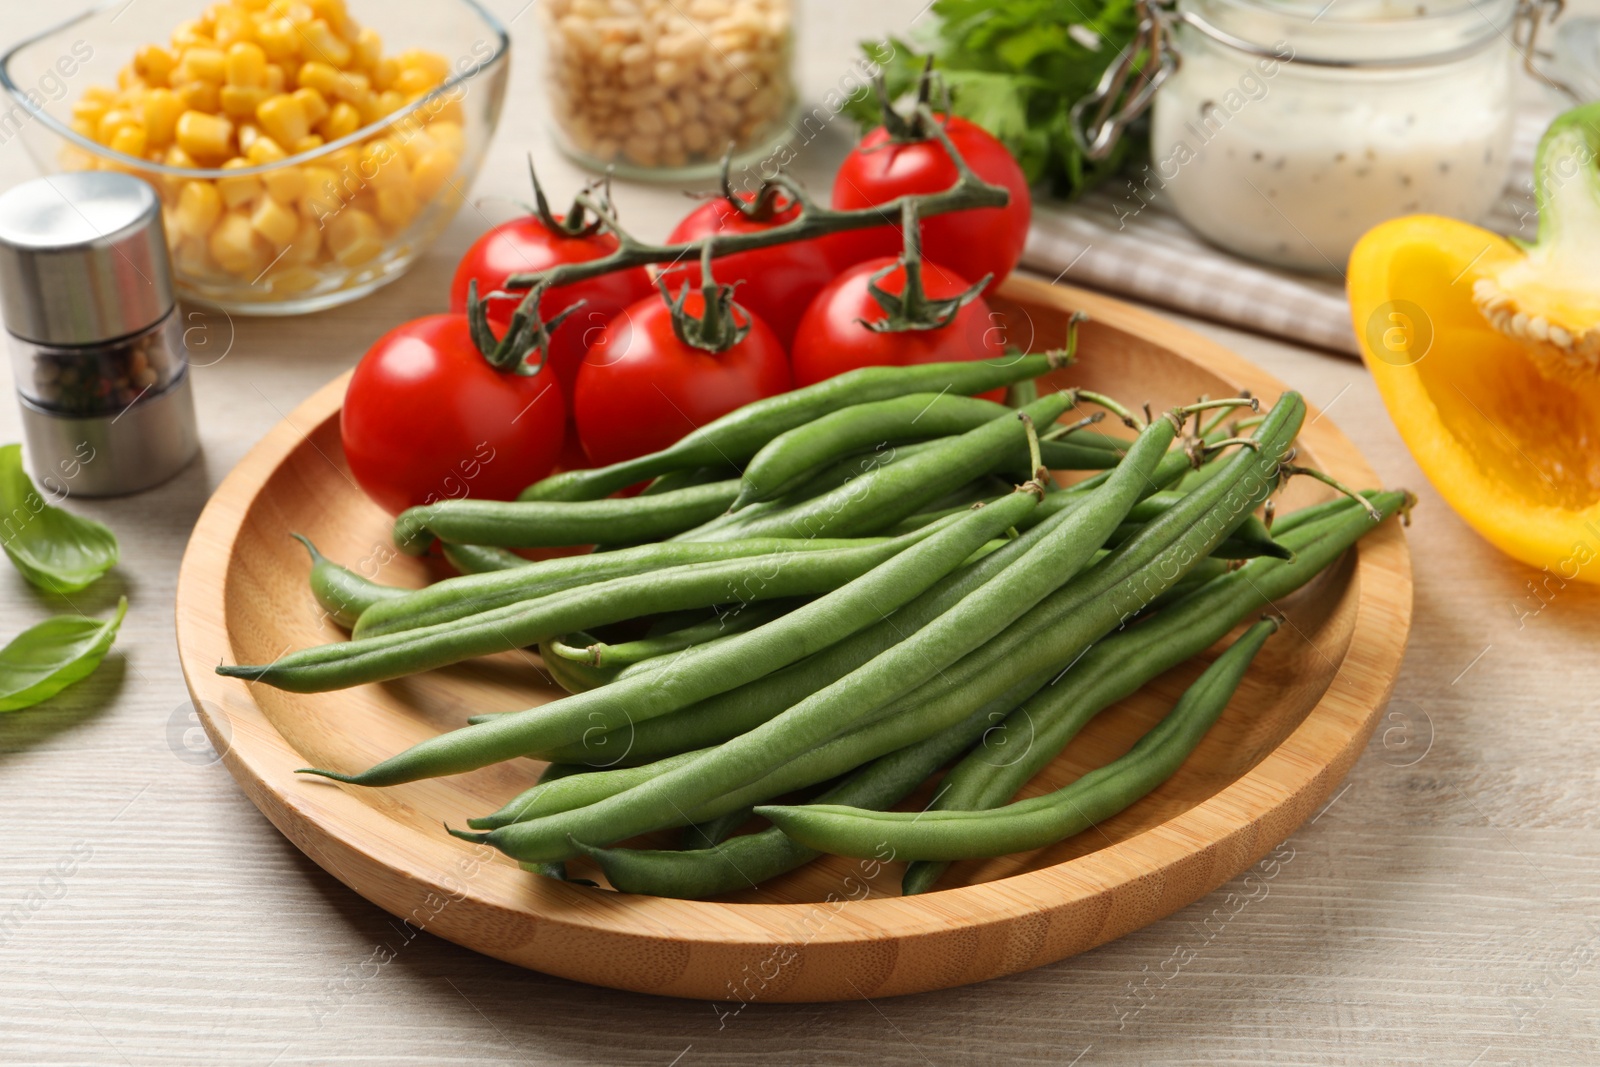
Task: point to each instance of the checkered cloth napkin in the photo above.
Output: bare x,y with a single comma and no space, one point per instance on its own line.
1156,258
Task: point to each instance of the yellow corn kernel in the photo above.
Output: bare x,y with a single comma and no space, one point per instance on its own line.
231,26
449,136
383,165
309,143
130,141
354,237
191,259
190,33
199,208
430,173
307,244
277,79
203,64
343,120
265,150
275,222
237,248
321,197
389,102
240,101
284,118
397,207
417,144
278,39
200,96
413,82
127,79
346,160
99,94
383,73
332,10
369,48
154,64
320,76
319,40
246,65
90,111
446,108
159,113
286,185
112,122
367,106
238,192
204,136
312,103
287,279
177,157
83,128
431,63
247,135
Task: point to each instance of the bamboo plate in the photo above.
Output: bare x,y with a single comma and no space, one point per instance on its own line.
836,929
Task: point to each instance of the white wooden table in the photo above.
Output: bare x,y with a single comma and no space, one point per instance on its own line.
1443,909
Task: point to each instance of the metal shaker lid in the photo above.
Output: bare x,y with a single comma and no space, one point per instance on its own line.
83,258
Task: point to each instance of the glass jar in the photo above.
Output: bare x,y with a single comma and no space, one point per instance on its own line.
660,89
1291,127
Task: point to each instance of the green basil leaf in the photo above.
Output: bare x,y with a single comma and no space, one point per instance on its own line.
45,659
54,549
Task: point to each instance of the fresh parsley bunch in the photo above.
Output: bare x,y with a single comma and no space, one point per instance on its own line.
1016,67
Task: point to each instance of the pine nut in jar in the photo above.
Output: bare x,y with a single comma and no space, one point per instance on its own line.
662,88
1291,127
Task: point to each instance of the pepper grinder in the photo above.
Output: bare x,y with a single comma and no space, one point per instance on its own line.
95,338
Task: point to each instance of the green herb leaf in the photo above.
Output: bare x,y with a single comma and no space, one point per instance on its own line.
1016,67
55,550
46,658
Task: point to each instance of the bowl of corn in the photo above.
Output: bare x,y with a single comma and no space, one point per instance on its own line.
306,151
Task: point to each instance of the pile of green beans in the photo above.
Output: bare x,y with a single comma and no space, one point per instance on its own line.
842,590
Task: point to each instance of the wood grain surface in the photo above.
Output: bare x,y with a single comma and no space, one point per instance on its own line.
1444,908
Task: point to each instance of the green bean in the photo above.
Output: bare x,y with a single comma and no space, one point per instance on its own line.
754,858
853,699
459,598
375,659
1117,666
550,523
751,859
341,592
1315,512
732,713
737,436
572,676
1030,824
786,461
712,832
575,791
625,653
888,493
685,479
708,670
481,559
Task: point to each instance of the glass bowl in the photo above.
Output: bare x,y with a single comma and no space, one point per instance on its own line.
362,207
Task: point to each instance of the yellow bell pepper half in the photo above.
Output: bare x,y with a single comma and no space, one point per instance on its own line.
1487,354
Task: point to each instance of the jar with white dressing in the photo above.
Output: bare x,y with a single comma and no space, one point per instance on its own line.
1291,127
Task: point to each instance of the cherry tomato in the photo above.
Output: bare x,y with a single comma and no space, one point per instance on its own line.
527,244
641,388
778,282
427,418
832,339
978,242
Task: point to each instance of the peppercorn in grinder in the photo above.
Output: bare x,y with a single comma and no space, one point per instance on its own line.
96,341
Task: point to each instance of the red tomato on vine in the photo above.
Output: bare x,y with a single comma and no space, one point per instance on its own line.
775,284
847,326
666,368
427,418
904,157
538,241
